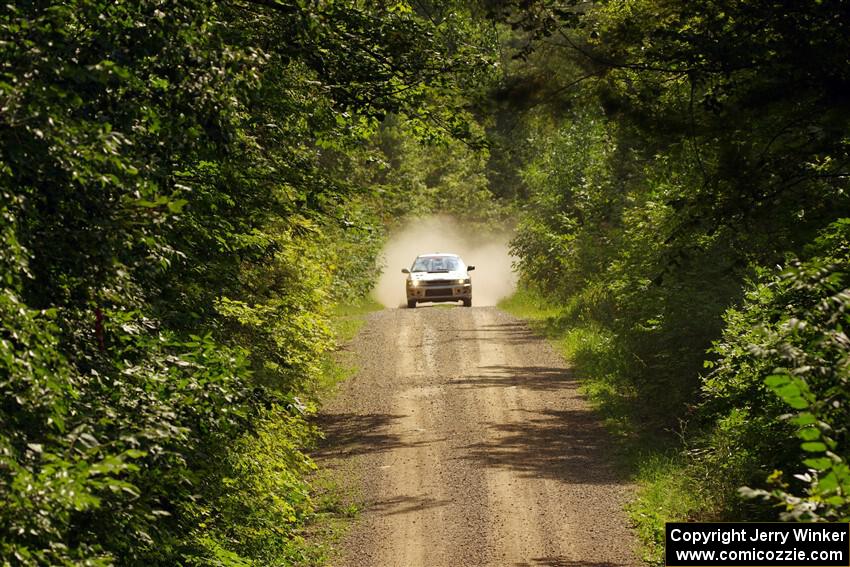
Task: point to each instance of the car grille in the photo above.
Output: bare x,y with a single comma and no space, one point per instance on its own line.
437,292
439,282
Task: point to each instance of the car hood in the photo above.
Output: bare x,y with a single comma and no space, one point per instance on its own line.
428,276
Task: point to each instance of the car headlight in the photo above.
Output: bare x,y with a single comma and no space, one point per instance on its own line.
466,281
412,283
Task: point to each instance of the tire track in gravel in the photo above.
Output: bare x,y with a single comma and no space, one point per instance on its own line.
471,447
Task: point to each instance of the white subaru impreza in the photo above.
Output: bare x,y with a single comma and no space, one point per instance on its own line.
437,278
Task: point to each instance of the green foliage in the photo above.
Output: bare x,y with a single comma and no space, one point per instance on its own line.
669,492
557,241
788,367
178,216
596,236
670,152
412,174
529,305
268,461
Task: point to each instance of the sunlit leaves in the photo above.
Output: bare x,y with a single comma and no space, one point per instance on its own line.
175,213
806,310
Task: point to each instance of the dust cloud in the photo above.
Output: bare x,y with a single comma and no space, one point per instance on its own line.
492,279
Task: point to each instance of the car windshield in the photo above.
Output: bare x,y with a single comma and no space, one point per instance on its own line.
436,264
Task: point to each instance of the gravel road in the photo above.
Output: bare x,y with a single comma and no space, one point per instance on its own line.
472,447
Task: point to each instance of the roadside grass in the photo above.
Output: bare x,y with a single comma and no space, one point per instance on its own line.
346,320
531,307
334,508
665,494
650,458
333,491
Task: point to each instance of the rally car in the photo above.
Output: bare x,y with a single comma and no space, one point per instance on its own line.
438,277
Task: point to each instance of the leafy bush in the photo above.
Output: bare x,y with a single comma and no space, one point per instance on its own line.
784,368
670,154
176,214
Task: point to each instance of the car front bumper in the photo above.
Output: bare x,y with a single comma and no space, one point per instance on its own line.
438,293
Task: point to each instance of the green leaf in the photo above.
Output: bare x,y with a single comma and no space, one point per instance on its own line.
828,483
813,447
788,391
797,403
819,463
809,433
177,205
775,380
803,419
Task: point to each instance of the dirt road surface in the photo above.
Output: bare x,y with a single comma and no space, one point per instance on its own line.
472,447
